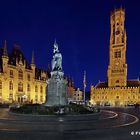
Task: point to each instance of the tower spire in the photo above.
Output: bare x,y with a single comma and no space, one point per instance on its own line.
5,48
33,59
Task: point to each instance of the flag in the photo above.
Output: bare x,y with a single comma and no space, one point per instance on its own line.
84,81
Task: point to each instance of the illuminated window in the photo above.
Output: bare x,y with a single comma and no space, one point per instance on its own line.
10,85
0,84
11,96
41,89
28,96
20,74
0,96
36,88
117,97
36,98
28,77
41,98
20,87
117,54
11,74
28,87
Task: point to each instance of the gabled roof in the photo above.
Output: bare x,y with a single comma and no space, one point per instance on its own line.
38,73
102,85
133,83
130,83
15,55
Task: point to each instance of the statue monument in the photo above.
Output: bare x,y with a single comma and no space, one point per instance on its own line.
56,85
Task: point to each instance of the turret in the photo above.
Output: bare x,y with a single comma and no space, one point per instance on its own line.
33,66
5,57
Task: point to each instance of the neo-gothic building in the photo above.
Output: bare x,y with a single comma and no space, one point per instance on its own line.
20,81
117,90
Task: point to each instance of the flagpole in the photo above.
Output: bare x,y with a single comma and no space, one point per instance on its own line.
84,83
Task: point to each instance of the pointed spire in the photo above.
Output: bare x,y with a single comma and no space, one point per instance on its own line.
20,59
138,78
33,59
72,82
5,49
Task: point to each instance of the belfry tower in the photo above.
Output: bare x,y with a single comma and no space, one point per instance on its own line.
117,68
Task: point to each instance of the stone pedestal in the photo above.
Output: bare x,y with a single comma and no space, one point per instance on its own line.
57,90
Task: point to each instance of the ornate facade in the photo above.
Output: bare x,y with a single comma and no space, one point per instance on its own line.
117,90
19,80
22,82
78,95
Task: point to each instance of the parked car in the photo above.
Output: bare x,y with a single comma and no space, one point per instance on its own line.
107,104
130,104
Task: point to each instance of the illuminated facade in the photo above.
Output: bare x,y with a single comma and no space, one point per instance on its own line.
117,90
78,95
19,80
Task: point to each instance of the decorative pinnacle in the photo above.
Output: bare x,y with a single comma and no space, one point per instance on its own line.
33,59
5,49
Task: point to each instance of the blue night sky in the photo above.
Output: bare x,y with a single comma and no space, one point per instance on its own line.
81,28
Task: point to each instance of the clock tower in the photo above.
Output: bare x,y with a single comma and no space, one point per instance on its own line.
117,69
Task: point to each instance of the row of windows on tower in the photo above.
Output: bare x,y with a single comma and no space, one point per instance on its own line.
20,87
117,54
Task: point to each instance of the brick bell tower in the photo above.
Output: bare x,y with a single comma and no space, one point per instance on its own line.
117,68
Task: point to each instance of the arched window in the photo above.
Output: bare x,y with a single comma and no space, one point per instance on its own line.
11,74
28,77
41,89
10,85
41,98
20,74
0,84
36,88
20,87
28,87
117,97
36,98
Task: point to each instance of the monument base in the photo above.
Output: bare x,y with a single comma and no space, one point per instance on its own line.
57,90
